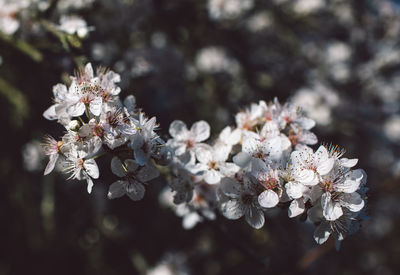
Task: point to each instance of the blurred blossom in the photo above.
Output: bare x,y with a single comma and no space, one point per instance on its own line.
9,10
337,54
308,6
33,157
318,102
172,264
259,22
74,25
391,128
228,9
215,60
74,4
158,40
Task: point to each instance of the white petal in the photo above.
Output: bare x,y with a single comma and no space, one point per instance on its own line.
50,113
231,187
294,189
351,183
322,233
135,191
296,208
306,177
77,109
95,106
190,220
178,129
268,199
348,162
352,201
51,164
130,103
331,210
89,185
242,159
228,169
305,122
89,70
116,167
117,189
232,209
201,131
255,217
324,167
204,153
212,176
91,168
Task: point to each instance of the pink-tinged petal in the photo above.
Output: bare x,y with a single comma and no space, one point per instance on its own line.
352,201
135,191
51,164
117,189
268,199
178,130
95,106
351,183
296,208
255,217
232,209
294,189
200,130
91,168
331,210
212,176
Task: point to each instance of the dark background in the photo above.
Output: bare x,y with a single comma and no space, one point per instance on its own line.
52,226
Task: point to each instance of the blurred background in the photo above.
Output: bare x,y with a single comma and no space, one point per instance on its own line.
197,60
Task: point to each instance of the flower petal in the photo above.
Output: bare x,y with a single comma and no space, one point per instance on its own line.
296,208
116,167
135,191
117,189
95,106
255,217
201,131
178,129
268,199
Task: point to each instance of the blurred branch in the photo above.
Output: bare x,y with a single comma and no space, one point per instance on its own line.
23,47
16,98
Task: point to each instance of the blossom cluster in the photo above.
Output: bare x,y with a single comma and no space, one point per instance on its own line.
265,162
97,122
